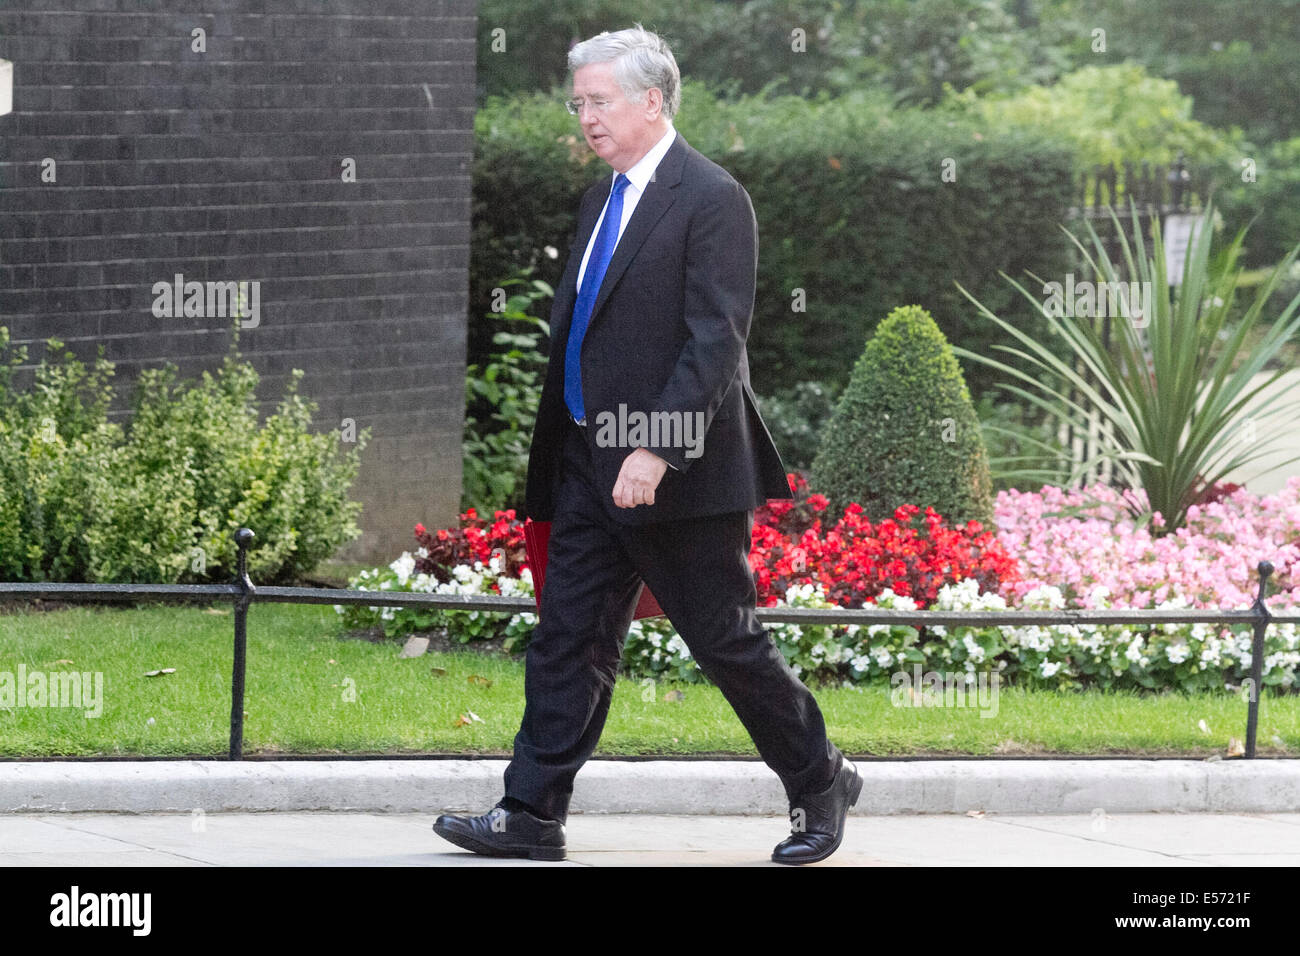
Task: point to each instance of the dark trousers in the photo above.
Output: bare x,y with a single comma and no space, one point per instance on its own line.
698,570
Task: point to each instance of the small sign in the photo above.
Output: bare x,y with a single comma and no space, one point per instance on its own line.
6,87
1179,230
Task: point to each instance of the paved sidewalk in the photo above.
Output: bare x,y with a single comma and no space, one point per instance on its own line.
674,787
1007,812
405,839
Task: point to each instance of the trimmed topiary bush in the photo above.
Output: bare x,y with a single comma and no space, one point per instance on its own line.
905,431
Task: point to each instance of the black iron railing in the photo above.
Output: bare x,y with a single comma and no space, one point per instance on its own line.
242,593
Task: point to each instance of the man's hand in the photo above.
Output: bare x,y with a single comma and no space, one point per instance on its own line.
638,479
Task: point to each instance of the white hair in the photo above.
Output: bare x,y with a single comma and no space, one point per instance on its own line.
641,61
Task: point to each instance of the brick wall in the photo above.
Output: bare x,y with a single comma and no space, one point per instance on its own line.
227,165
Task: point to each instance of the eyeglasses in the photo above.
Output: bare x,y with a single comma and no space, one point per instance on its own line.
575,106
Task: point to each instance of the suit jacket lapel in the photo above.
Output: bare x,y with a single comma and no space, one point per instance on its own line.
654,202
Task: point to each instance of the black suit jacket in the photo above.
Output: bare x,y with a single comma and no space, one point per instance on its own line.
667,335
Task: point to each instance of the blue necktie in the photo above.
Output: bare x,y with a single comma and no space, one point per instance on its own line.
597,263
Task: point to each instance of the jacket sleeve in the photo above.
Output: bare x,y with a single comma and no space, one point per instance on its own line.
721,262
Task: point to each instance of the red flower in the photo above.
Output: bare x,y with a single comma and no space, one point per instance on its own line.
854,561
474,541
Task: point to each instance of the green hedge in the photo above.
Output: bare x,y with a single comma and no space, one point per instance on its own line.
851,203
83,499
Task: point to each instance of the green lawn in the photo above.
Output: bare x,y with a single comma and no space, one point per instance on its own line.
301,676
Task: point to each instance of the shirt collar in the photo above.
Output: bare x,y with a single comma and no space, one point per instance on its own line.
643,171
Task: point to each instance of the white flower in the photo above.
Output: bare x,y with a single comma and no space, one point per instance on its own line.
1046,596
803,594
403,566
1049,668
1134,652
1034,638
899,602
1177,653
862,663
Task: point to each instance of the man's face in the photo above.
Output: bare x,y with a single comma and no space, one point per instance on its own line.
622,132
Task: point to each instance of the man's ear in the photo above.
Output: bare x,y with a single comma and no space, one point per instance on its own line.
654,99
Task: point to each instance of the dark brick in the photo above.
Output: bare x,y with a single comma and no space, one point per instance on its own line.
226,166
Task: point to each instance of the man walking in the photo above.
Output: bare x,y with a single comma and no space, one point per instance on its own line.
648,327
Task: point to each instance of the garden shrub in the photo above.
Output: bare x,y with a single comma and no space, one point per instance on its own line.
84,499
794,416
501,399
905,431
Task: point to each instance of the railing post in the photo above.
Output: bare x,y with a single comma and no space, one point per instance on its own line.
243,537
1257,657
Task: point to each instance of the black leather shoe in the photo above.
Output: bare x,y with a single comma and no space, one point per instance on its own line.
817,820
502,832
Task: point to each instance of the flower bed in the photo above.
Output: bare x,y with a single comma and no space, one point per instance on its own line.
476,558
1051,549
1083,541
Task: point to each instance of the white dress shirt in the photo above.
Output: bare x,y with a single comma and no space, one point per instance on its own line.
638,177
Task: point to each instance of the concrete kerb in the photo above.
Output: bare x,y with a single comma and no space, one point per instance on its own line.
739,787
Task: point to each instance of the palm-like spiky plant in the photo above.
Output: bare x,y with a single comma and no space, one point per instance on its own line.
1169,393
